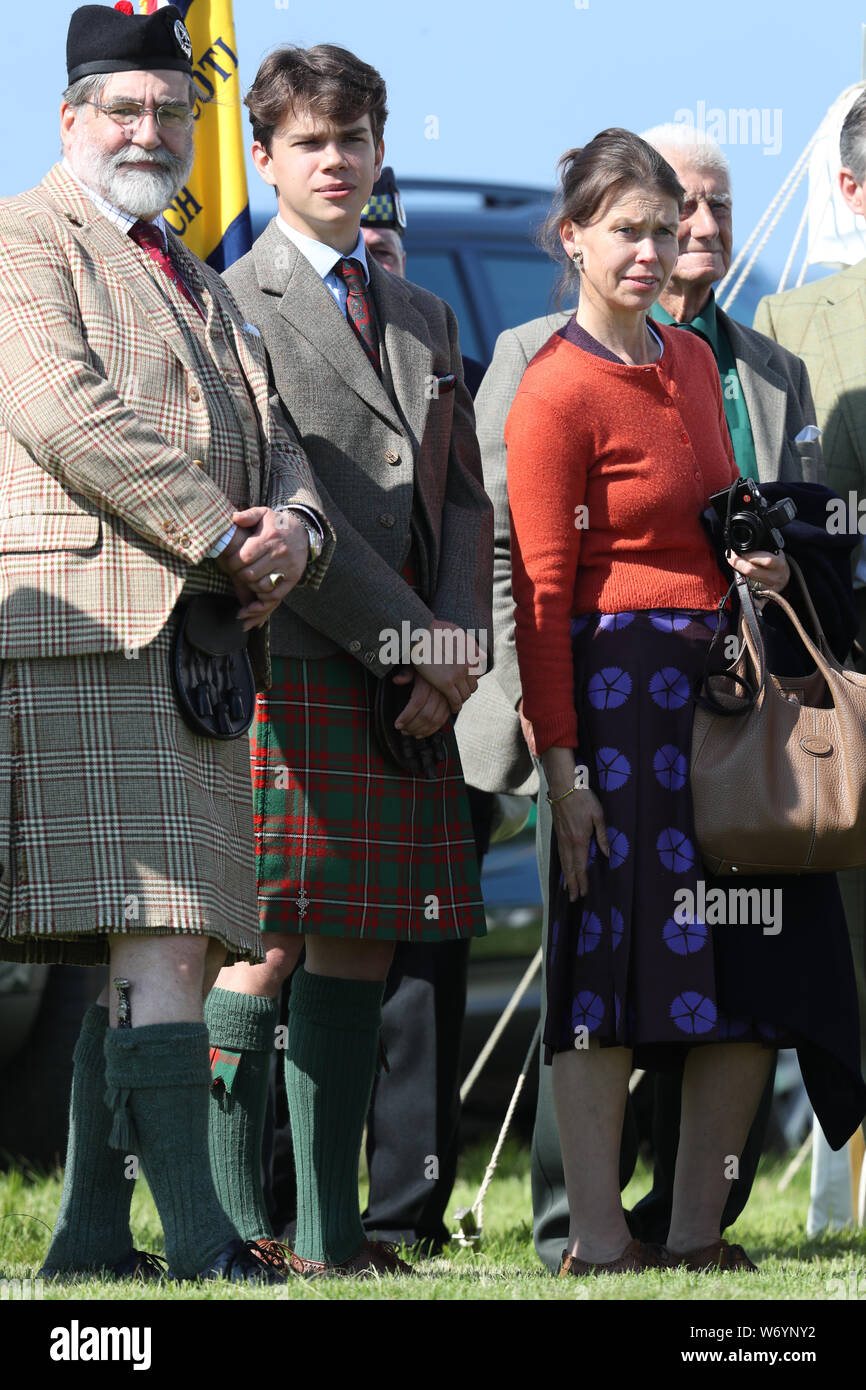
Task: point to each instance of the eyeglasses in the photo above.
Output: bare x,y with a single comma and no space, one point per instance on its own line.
129,113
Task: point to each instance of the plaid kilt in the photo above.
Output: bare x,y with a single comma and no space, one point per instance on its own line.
347,845
114,817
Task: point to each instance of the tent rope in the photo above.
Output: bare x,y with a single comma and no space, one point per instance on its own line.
744,249
481,1061
774,222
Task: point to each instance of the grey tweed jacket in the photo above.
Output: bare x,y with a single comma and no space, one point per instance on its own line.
381,458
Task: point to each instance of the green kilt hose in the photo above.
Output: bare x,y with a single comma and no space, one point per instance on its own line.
347,845
114,816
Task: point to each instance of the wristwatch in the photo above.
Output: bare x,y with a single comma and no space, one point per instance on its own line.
317,545
316,539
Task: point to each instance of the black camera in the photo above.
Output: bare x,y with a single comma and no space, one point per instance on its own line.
750,522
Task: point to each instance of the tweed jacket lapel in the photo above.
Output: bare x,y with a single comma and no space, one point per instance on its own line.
407,345
308,305
838,325
119,258
766,396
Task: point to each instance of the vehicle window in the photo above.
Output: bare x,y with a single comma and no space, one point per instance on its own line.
436,271
522,285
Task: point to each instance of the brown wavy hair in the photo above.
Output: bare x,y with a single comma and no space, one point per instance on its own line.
593,176
326,81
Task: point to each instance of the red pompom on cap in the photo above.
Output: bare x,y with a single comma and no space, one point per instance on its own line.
125,6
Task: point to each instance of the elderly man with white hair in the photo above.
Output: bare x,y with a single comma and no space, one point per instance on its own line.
768,400
768,407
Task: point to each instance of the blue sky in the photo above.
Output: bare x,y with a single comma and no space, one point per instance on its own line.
511,85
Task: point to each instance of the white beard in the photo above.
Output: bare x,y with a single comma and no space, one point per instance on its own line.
138,192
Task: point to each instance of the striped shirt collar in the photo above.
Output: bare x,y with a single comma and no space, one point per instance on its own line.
124,220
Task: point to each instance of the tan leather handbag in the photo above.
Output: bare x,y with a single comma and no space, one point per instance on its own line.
779,783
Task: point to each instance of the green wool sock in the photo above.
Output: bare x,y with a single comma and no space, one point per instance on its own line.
330,1063
92,1227
240,1023
157,1087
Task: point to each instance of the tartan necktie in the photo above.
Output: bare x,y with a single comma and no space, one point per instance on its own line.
358,308
148,236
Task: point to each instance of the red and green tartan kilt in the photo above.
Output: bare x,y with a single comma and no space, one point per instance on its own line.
346,844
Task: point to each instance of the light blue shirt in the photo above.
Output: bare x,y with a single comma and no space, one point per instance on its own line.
324,258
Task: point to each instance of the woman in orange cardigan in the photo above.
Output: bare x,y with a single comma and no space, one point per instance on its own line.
616,439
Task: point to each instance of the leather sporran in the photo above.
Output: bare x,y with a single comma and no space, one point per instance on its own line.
418,757
210,668
778,776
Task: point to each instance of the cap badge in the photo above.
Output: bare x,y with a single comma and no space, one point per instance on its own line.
184,41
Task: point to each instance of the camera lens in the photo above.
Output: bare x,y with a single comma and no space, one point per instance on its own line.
744,533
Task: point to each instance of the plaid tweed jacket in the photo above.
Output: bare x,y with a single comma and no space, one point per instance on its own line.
386,472
825,324
105,498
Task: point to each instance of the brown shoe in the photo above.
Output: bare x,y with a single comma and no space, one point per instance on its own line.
635,1258
273,1254
374,1257
718,1255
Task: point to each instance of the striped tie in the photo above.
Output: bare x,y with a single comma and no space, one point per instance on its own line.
358,309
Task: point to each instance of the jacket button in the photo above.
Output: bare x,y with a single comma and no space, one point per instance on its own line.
198,463
354,646
194,394
391,456
386,519
169,527
184,541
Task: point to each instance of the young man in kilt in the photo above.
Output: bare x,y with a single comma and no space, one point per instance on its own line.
355,854
138,453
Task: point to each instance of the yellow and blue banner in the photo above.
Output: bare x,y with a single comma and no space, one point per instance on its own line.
211,214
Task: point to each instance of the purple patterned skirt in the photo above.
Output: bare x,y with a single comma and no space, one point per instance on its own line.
634,962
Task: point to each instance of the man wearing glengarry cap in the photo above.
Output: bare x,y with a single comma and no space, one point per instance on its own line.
140,465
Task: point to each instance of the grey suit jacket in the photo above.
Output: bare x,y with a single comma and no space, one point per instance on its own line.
376,464
492,747
776,390
779,402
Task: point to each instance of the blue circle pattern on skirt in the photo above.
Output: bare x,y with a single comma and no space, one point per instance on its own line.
622,966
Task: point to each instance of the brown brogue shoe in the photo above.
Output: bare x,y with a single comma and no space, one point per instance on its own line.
374,1257
718,1255
635,1258
272,1253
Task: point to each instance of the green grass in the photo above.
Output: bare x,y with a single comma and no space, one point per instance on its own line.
502,1266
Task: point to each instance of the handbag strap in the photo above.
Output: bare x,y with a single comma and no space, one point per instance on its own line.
704,696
